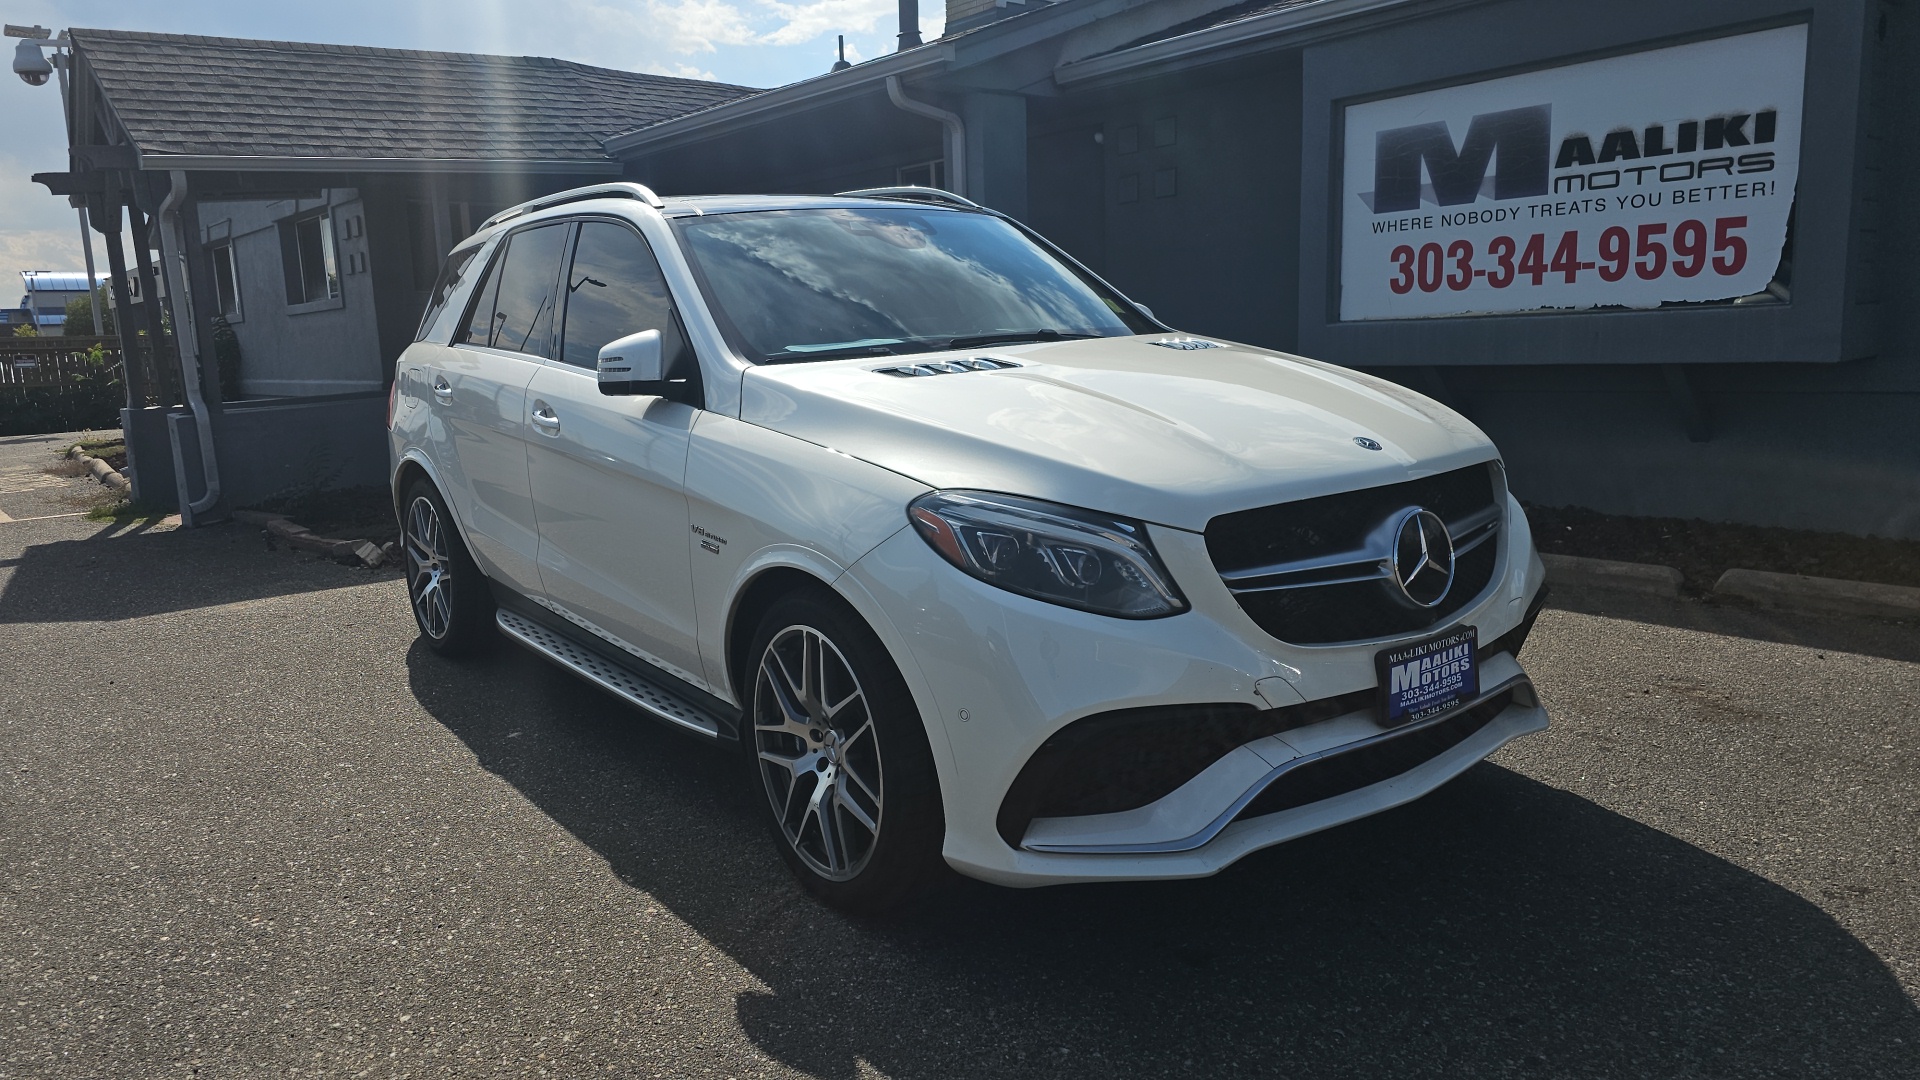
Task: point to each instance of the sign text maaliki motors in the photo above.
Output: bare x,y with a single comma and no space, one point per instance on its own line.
1633,181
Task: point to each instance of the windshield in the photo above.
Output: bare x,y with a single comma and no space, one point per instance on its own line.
814,284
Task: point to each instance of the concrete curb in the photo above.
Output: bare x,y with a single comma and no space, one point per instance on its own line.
1578,571
350,552
1797,592
102,471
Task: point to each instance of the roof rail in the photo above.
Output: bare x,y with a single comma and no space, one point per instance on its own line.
913,193
620,190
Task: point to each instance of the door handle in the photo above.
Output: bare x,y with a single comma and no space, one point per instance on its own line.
543,416
440,387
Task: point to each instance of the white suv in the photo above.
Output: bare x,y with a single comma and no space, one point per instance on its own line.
970,557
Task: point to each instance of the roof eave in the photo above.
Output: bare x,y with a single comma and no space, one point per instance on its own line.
251,163
1215,39
720,119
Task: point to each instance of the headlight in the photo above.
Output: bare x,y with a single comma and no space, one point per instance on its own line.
1049,552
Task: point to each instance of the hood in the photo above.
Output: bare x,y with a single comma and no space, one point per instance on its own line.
1121,425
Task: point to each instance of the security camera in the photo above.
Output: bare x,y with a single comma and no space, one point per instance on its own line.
31,64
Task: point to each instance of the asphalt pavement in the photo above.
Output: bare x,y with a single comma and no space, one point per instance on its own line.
250,828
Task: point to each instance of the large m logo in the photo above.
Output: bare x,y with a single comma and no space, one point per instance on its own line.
1522,136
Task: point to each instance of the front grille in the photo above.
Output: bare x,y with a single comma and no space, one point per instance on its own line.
1338,774
1327,605
1125,759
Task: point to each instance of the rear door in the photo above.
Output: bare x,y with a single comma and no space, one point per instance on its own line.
479,393
608,473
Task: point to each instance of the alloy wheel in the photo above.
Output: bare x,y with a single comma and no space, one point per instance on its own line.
429,580
818,752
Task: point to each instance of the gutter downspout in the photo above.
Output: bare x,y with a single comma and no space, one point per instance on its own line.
956,132
186,339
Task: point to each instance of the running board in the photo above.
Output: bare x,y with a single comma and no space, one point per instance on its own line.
617,679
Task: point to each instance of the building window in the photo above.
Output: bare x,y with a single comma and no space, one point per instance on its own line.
312,272
226,282
931,174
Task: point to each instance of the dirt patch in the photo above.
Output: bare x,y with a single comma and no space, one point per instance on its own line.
1703,550
364,513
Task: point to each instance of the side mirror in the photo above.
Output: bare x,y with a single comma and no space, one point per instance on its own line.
631,365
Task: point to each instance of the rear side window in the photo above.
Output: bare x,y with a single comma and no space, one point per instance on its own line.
515,306
615,288
452,275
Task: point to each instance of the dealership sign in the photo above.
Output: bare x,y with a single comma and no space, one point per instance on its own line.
1633,181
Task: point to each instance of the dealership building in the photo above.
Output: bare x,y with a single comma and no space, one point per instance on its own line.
1651,248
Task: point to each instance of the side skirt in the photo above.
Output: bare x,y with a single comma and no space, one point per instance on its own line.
633,681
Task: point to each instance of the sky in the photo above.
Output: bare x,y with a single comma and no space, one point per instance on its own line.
749,42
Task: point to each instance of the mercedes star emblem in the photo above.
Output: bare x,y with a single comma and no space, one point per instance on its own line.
1422,557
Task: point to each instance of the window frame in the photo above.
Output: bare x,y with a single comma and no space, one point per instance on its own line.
497,262
222,255
566,298
936,172
299,297
430,312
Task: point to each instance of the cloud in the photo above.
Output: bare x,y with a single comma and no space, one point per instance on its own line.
804,22
617,35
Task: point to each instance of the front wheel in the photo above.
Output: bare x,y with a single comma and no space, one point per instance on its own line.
450,598
841,753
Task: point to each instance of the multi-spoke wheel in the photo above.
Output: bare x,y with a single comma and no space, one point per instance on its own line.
842,755
819,752
449,597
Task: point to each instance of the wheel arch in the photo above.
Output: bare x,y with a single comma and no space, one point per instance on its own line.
767,584
415,466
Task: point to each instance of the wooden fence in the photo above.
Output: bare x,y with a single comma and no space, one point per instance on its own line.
51,361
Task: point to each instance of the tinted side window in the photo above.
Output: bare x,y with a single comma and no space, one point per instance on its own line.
479,328
519,306
452,275
615,288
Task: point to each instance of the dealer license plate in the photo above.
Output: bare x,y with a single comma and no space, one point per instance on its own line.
1428,678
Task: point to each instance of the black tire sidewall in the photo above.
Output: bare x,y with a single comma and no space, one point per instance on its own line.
906,855
470,620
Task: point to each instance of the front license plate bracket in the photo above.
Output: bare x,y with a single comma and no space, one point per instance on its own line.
1428,678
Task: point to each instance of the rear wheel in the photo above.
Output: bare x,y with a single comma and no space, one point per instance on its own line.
450,599
841,754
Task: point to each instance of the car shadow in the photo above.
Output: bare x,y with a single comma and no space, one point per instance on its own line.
131,570
1497,927
1887,639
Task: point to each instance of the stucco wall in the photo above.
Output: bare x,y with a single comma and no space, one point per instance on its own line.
288,349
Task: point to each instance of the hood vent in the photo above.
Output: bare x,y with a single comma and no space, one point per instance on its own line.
945,367
1187,344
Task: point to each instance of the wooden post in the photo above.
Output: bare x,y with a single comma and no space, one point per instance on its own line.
150,307
132,364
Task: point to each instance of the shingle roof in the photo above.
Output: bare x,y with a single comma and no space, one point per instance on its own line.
208,96
1217,17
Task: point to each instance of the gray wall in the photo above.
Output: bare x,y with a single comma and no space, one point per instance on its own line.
289,350
1223,229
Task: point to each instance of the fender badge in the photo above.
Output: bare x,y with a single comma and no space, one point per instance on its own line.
1365,443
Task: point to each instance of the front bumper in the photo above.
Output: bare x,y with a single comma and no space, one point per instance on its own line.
997,674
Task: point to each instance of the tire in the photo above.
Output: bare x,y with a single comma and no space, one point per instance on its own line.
839,752
451,601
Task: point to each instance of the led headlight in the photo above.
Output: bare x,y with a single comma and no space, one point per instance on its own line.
1050,552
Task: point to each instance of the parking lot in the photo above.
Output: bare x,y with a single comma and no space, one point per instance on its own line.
249,828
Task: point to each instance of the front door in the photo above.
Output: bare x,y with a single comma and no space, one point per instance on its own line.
479,387
608,473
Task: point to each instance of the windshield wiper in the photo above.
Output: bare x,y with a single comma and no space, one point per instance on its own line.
1009,337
